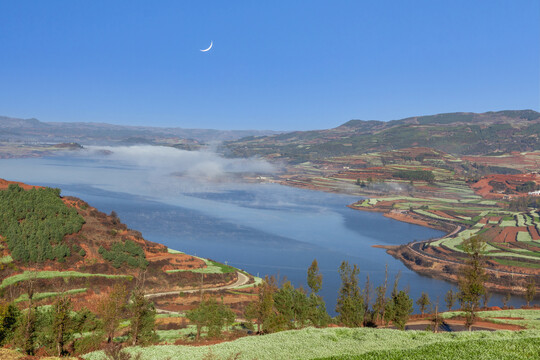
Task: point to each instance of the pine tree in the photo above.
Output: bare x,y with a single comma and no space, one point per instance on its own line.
423,302
472,279
142,319
317,313
350,303
262,310
314,278
530,291
111,310
403,308
450,299
62,324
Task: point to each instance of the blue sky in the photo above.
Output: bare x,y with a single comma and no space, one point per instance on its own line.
279,65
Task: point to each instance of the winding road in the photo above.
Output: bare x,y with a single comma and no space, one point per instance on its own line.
417,246
242,280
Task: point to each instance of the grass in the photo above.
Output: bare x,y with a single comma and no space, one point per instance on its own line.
172,251
6,259
45,295
352,343
212,267
464,350
530,317
28,275
258,281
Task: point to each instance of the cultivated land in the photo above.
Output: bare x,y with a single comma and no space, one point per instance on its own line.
358,343
435,189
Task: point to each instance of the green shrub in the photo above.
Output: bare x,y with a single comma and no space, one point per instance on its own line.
127,252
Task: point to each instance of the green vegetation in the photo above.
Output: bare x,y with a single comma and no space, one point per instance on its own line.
212,267
471,279
45,295
127,252
465,350
422,175
212,315
529,318
339,343
34,223
30,275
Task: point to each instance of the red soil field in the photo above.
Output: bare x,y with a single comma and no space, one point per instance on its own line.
4,184
483,188
509,234
534,232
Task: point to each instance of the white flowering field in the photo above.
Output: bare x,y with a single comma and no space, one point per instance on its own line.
338,343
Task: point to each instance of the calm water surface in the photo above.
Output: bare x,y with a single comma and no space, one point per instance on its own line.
261,228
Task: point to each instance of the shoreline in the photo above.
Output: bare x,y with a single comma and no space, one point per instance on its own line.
500,279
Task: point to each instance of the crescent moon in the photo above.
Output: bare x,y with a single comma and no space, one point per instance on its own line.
211,43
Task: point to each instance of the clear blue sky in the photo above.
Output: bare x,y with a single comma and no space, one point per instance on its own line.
275,64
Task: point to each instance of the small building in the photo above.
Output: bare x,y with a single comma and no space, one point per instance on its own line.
534,193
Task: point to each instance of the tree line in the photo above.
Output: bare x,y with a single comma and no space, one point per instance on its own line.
60,330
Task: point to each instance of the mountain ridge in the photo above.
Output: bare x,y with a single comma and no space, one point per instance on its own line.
456,133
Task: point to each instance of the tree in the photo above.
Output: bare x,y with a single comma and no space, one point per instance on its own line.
403,308
262,309
530,291
368,317
211,314
450,299
9,314
506,299
350,303
111,309
62,324
314,278
317,314
291,308
142,318
26,331
436,320
485,298
423,302
380,300
472,278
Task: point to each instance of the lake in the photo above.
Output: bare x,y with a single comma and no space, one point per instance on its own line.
265,229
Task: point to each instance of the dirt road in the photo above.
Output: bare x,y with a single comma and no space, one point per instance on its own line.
242,280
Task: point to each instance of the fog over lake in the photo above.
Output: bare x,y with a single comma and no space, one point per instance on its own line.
195,202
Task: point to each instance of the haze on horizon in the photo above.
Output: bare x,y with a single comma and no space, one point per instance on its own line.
278,65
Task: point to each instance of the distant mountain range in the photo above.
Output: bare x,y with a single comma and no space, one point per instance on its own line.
33,130
457,133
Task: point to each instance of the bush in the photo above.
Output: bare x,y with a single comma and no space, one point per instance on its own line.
125,253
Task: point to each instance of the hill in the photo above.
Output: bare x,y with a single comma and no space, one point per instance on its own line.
456,133
51,244
33,130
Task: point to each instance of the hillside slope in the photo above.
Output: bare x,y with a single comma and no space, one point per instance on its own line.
456,133
79,247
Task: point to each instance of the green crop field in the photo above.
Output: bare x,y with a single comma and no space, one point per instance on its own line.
353,343
529,318
45,295
28,275
212,267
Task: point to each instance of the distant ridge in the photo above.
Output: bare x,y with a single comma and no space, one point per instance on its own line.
15,129
457,133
